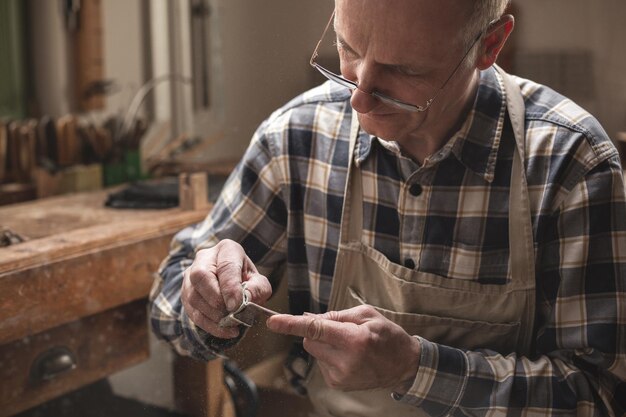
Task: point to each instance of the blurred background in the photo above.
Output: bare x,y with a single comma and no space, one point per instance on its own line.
204,73
95,93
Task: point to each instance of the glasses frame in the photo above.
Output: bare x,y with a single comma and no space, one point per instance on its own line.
339,79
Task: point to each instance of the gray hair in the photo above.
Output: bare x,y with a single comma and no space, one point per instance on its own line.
483,13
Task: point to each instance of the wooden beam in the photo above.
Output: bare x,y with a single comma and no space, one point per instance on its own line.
193,191
199,388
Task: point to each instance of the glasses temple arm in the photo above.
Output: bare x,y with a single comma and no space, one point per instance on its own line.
317,47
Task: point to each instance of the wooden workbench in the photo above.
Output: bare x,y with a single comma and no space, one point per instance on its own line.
73,296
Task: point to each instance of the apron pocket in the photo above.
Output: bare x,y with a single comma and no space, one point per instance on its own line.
466,262
454,332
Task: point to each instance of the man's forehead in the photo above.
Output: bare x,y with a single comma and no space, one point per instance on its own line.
410,13
402,25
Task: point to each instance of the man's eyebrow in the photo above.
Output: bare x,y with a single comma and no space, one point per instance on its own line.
344,45
341,42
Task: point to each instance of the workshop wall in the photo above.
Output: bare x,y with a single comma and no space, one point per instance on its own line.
122,23
592,29
265,55
266,51
267,63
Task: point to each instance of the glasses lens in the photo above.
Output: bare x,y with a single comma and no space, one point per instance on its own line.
390,101
352,86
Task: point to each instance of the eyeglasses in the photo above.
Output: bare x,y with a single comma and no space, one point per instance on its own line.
402,105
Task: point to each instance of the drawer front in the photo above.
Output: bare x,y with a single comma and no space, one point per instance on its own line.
48,364
87,284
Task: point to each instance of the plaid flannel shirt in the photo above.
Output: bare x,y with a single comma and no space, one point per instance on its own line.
449,217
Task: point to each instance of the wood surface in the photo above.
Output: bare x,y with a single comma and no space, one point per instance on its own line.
80,258
193,191
200,389
212,168
15,192
66,226
102,344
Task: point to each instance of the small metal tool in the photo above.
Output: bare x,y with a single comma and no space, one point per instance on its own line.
247,312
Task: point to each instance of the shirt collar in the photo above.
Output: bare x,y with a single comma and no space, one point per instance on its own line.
476,143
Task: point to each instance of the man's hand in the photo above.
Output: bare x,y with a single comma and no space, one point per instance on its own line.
212,286
355,349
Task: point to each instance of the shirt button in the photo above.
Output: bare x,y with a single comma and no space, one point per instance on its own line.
409,263
415,190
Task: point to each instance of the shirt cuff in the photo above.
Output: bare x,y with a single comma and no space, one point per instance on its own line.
440,380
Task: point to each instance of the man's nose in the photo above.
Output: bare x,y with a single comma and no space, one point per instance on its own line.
364,73
362,101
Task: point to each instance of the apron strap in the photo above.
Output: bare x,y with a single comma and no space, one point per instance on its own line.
520,223
521,243
352,229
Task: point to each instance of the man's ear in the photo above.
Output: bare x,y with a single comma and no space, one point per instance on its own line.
493,41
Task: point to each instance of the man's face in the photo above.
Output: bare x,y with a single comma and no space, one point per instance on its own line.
405,49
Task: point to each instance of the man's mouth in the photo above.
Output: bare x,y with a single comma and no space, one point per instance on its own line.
377,115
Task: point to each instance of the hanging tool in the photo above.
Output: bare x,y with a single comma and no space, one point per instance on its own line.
68,145
28,158
3,150
47,148
71,12
14,151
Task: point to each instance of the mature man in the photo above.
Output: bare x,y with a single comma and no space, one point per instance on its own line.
458,234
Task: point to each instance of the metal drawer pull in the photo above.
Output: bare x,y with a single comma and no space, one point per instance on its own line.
52,363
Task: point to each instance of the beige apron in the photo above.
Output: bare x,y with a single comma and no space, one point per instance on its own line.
456,313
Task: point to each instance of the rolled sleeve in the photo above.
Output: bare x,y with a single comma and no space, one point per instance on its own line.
440,380
250,211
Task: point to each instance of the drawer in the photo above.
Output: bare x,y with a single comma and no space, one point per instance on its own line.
43,366
99,279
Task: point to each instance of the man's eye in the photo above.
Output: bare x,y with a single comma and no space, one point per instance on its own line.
347,55
343,51
407,71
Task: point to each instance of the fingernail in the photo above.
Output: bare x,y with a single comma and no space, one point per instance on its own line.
231,305
306,313
268,323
